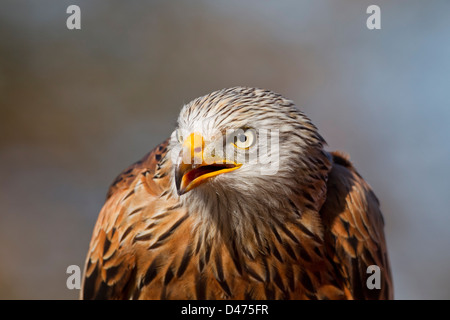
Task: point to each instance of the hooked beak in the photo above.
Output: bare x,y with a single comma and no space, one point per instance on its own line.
194,167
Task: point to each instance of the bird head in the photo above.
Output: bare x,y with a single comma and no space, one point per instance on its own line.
241,140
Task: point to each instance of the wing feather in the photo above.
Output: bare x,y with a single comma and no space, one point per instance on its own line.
354,233
110,268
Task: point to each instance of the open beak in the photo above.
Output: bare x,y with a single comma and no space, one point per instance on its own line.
194,167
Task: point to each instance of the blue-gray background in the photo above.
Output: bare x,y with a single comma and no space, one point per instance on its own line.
76,107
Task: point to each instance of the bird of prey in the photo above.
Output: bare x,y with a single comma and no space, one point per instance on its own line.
200,218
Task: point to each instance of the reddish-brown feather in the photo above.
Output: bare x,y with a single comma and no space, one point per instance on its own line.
145,245
354,230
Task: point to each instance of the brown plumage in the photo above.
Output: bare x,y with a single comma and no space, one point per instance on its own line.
309,232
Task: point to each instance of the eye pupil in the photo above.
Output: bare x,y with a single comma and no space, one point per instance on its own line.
244,139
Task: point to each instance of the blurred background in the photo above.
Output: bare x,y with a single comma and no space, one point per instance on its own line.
77,107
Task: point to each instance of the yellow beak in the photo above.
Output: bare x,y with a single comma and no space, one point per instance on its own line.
194,167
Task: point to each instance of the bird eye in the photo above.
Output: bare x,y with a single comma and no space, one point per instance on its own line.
244,140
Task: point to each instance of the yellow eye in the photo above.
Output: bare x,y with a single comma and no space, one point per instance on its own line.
244,139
